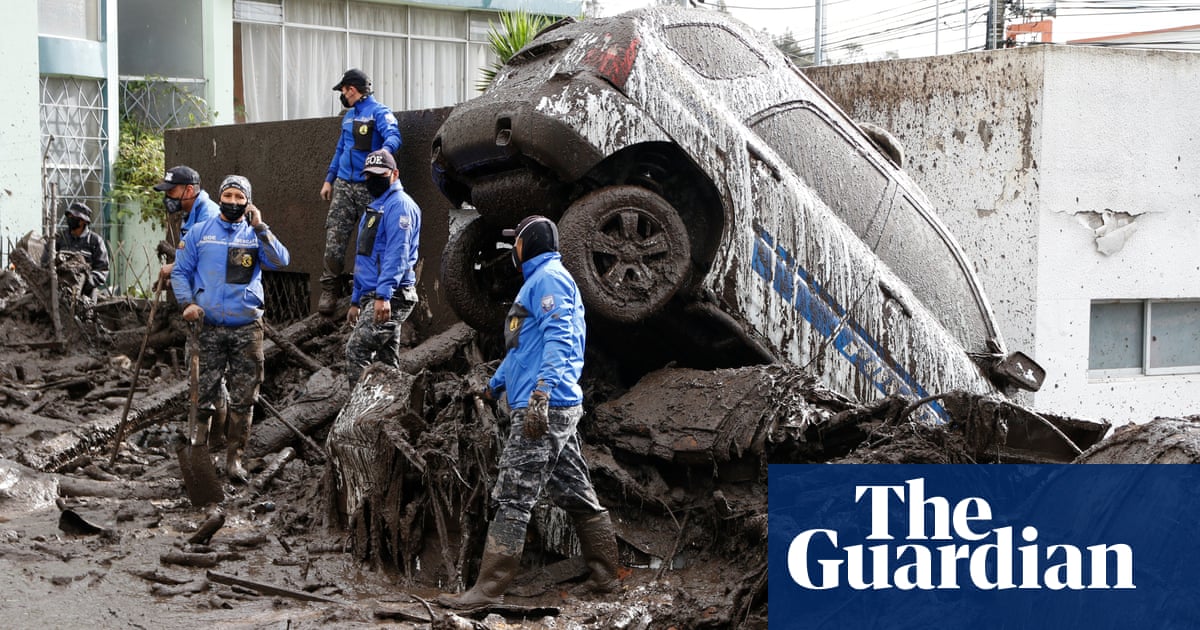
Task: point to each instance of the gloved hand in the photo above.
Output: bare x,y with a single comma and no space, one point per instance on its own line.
537,415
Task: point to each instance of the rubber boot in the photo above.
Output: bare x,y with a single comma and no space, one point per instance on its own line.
598,540
239,434
327,303
496,571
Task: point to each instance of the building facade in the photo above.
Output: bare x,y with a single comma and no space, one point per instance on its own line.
1069,176
75,67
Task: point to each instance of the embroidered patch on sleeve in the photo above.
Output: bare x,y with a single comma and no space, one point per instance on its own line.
547,303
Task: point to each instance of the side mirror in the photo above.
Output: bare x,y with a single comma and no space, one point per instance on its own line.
1020,371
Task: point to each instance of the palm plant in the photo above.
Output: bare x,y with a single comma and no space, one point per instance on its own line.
515,30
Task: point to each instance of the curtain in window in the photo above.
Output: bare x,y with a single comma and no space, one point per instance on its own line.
262,85
479,56
316,12
380,18
382,58
314,63
436,74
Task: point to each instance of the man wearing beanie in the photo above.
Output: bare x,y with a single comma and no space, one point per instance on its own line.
544,334
218,281
367,126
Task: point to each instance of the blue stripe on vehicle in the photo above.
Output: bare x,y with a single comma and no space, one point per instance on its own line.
791,281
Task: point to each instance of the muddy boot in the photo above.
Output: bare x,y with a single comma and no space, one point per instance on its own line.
496,572
327,303
598,540
239,434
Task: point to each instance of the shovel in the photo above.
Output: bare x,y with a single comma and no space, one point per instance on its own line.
137,371
199,475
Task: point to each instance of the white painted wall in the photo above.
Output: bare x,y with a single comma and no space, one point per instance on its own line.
1125,137
1018,149
20,173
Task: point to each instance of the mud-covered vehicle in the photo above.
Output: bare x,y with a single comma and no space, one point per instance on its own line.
710,198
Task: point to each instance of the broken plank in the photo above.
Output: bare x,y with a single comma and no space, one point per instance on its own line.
268,589
69,486
165,405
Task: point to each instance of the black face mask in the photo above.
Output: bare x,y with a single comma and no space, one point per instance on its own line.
231,212
73,223
345,102
172,205
378,185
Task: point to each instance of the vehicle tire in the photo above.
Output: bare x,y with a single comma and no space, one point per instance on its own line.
628,250
478,276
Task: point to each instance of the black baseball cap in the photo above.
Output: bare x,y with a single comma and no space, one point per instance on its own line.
356,78
176,176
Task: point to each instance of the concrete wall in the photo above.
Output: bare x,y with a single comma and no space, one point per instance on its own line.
286,162
20,133
969,124
1025,152
1125,139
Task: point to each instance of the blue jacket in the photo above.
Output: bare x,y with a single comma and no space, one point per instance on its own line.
220,267
379,124
203,209
389,235
545,335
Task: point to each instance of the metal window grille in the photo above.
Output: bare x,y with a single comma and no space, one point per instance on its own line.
159,103
287,296
74,143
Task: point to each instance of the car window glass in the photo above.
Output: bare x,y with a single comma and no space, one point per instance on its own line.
917,253
849,183
714,52
858,191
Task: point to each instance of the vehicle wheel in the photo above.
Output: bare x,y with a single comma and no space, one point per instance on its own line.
628,250
478,276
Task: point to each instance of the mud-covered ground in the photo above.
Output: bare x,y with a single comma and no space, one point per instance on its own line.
679,457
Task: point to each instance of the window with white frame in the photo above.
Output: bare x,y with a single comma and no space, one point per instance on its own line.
1151,337
291,53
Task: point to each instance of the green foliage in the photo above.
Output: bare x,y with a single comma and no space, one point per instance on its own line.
147,108
516,30
138,168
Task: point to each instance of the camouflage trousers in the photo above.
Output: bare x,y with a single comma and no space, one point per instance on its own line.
348,202
552,464
231,358
379,342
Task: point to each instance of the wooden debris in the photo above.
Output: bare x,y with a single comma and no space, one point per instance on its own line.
199,560
69,486
154,575
188,588
210,526
268,589
267,477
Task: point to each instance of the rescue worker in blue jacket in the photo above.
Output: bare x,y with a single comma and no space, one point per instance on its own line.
385,293
367,126
544,335
218,281
187,204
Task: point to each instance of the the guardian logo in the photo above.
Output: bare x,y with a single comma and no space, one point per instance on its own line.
949,546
